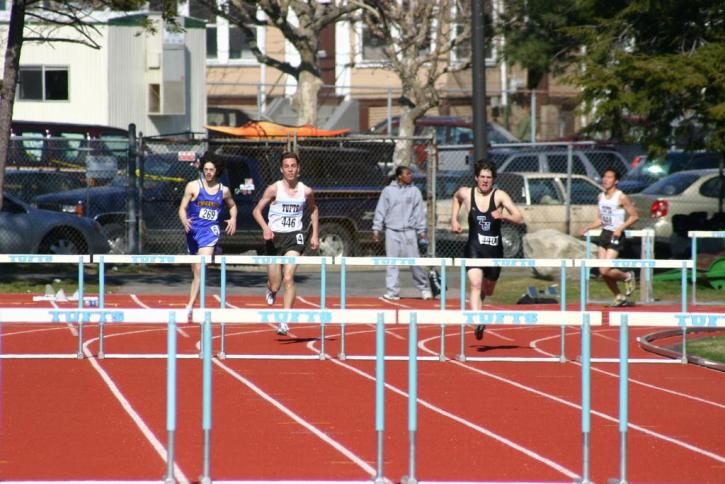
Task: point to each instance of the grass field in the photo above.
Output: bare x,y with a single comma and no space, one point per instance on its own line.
712,348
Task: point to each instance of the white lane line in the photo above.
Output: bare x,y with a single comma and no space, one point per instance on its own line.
631,380
359,461
138,301
305,301
521,386
69,325
126,405
503,440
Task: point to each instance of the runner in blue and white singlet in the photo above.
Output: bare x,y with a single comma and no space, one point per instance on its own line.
204,212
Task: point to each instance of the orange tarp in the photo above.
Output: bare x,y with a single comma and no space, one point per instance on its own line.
266,129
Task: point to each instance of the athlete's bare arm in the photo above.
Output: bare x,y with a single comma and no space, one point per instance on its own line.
269,194
314,218
458,201
632,213
504,200
190,193
232,221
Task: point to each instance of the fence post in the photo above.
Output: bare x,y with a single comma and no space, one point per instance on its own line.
569,163
131,190
431,198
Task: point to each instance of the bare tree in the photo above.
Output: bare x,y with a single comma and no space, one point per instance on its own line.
301,22
45,22
418,38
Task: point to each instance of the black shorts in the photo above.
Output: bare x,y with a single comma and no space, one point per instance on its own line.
606,241
477,251
284,242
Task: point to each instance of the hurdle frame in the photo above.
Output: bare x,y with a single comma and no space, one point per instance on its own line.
413,318
382,261
136,259
646,290
468,263
694,235
266,260
683,265
81,260
624,320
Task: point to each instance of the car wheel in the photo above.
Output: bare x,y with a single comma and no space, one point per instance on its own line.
63,241
335,240
116,235
512,238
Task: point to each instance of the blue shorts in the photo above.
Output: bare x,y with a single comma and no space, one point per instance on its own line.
198,237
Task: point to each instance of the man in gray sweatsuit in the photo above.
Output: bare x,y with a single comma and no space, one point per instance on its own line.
400,212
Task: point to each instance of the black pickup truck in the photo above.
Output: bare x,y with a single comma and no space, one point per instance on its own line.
346,193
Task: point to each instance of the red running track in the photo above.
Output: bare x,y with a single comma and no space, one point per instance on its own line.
104,419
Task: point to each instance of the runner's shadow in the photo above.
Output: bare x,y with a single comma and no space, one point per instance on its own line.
484,348
292,340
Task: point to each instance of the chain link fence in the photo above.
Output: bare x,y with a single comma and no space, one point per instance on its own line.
128,194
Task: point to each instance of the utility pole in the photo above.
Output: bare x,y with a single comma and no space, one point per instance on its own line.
480,141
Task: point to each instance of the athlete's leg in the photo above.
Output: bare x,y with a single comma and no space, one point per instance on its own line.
475,280
196,281
289,281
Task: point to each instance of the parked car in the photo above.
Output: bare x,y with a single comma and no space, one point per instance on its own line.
682,201
453,135
28,230
587,162
346,207
652,169
541,197
29,183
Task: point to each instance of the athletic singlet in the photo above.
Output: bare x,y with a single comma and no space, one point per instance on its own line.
611,212
204,211
483,229
285,211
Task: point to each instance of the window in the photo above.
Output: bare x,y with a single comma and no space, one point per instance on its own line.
558,164
544,192
372,46
461,135
42,83
583,192
671,185
711,188
523,163
224,41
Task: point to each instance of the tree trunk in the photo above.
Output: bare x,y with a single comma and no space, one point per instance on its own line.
404,147
10,80
305,98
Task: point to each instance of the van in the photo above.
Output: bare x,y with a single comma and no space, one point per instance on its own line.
65,145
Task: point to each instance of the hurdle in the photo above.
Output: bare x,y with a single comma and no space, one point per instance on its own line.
259,260
344,262
646,292
694,235
464,264
683,265
584,319
131,259
292,316
624,320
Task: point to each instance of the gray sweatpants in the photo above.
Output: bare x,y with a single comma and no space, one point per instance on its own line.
403,244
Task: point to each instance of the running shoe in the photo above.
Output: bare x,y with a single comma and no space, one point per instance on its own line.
189,315
479,331
629,283
283,329
270,296
426,295
391,297
619,301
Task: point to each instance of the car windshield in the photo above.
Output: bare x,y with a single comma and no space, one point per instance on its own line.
671,185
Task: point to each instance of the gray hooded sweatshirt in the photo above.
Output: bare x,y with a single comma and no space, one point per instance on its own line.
399,208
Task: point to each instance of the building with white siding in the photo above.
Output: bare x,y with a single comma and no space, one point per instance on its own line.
154,80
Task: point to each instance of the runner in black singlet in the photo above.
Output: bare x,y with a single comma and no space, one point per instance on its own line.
484,234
